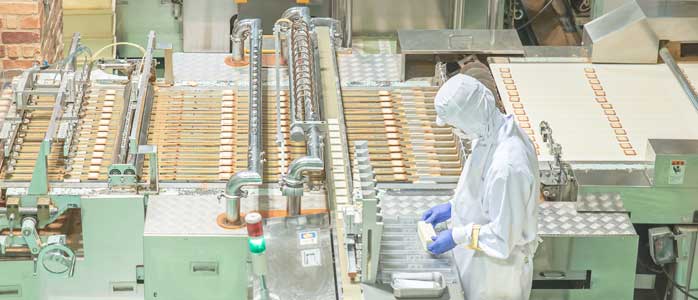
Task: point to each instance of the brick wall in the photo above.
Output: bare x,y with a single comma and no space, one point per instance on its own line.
30,32
52,31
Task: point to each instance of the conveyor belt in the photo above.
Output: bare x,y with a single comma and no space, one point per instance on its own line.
201,134
186,127
598,112
405,144
100,119
433,148
94,138
31,132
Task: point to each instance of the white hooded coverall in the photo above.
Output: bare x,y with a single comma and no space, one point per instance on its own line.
498,190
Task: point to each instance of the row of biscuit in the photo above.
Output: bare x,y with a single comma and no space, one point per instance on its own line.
518,107
611,115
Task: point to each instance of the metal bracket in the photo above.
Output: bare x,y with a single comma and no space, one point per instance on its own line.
31,237
153,166
124,175
305,125
371,217
121,175
557,181
25,83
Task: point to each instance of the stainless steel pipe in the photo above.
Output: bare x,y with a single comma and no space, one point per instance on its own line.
302,80
252,29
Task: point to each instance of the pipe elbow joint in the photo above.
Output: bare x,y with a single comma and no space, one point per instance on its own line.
294,177
239,180
240,32
296,12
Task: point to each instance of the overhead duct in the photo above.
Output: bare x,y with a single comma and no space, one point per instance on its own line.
626,25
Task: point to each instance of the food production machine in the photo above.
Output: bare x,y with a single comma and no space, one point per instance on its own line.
296,168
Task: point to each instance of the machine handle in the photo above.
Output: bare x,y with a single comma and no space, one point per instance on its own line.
204,268
553,274
10,291
557,279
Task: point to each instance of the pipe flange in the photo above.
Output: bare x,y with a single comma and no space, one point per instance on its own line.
290,183
230,61
290,191
222,221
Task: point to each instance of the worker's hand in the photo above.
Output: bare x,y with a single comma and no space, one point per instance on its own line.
437,214
442,243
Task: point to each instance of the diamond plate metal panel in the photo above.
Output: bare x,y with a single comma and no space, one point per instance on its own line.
554,218
189,215
562,219
396,204
600,202
368,69
354,69
195,214
272,199
203,67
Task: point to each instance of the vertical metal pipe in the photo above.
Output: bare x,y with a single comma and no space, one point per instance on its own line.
492,14
251,28
255,159
232,209
348,23
293,205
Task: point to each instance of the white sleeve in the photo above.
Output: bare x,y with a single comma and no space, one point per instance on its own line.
506,194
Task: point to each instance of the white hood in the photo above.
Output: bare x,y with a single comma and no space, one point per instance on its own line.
465,103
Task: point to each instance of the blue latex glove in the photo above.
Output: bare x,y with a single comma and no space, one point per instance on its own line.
442,243
437,214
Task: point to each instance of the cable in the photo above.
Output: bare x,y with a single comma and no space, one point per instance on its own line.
678,286
648,267
536,16
94,57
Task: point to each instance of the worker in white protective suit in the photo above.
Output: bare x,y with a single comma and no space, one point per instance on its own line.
493,213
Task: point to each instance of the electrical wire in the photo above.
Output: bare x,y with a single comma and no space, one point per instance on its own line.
679,287
94,57
535,16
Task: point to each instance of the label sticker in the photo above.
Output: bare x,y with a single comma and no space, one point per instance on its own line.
677,171
311,258
307,238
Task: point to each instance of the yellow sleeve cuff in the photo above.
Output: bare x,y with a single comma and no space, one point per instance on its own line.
475,238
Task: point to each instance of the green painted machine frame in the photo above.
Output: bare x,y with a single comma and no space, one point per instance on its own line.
609,260
653,194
